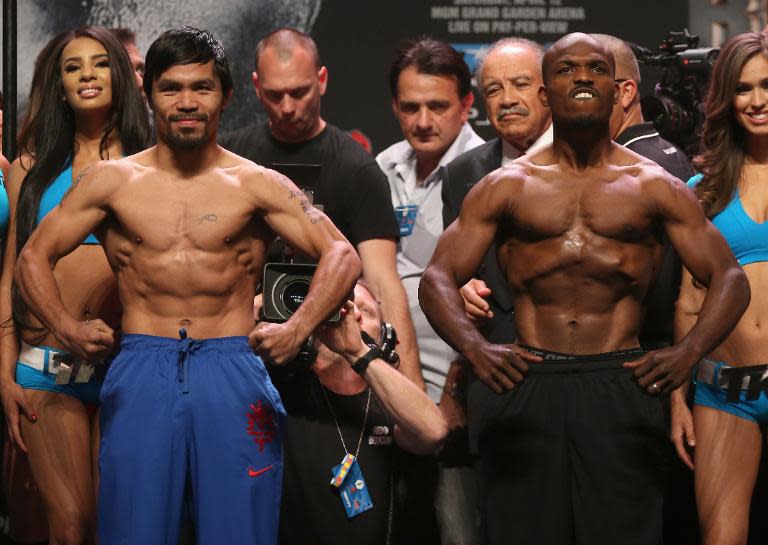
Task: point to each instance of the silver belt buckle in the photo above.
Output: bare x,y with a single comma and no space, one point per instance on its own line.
62,367
84,372
66,367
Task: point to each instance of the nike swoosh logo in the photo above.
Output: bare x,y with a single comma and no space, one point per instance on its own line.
253,473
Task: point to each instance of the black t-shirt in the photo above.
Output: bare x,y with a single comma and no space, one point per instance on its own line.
657,327
311,510
644,140
352,188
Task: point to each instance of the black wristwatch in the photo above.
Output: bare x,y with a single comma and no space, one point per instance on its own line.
362,364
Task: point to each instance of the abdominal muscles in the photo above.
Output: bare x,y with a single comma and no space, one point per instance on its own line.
208,292
748,343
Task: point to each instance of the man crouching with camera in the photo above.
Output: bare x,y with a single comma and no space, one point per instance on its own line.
347,409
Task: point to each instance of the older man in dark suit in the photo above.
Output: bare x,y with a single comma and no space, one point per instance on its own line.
509,77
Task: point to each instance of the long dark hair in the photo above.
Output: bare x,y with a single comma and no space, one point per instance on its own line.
723,139
47,134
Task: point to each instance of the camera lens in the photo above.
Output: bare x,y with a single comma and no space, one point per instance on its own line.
294,293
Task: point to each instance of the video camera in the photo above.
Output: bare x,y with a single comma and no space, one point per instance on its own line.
285,283
285,287
676,107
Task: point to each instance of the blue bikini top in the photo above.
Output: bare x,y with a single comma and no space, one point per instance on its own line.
5,209
53,195
747,239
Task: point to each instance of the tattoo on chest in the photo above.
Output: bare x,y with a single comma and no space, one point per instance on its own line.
208,217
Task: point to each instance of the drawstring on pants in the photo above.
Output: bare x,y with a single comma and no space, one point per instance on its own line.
186,347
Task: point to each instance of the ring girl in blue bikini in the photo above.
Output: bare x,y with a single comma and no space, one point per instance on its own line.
733,189
84,106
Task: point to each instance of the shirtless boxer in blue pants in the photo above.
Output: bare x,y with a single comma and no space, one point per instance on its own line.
188,411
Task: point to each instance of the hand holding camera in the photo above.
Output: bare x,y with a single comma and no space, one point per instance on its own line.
344,337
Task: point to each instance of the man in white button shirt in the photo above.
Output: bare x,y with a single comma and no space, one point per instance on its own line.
431,98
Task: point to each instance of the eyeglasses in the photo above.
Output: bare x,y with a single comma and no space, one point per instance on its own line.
620,81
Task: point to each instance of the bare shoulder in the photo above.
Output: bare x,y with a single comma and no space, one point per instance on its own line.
525,172
498,192
507,178
259,181
121,171
104,172
664,193
272,192
650,175
99,181
657,182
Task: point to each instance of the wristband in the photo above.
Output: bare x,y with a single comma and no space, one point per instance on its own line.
361,365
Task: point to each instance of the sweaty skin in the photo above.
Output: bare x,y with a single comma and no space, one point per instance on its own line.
578,228
184,226
187,251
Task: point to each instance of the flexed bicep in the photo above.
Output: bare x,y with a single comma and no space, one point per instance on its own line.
62,230
291,215
701,247
708,258
466,241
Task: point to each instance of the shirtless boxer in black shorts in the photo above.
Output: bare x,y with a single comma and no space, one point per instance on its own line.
573,450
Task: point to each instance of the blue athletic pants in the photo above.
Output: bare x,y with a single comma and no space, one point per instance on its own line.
190,424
